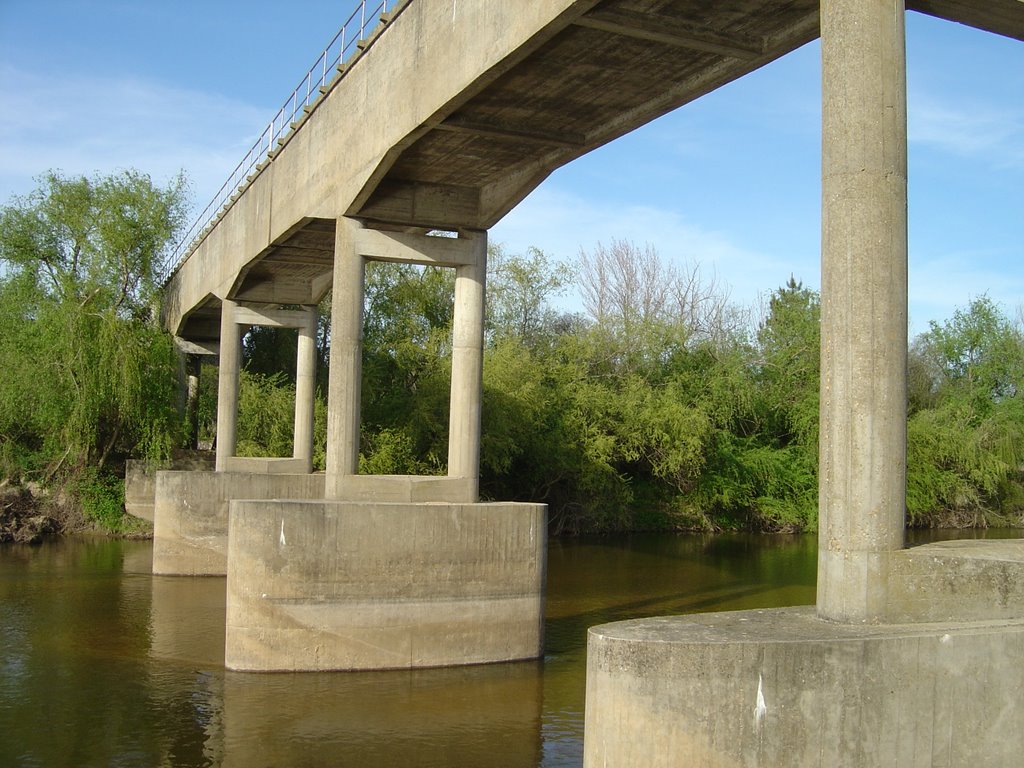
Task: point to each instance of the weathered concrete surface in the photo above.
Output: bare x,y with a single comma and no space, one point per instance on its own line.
863,425
264,465
359,585
784,688
190,528
407,488
958,581
140,479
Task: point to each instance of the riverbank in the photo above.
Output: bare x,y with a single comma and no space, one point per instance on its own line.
30,513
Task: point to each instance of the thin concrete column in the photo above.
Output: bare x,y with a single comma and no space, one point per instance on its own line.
227,384
862,485
305,386
346,358
467,364
193,366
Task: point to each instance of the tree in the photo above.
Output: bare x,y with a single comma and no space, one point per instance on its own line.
965,438
88,375
519,288
978,353
96,241
643,308
406,368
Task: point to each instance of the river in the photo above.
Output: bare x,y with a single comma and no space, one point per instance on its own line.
104,664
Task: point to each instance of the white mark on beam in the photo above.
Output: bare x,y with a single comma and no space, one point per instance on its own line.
760,708
283,542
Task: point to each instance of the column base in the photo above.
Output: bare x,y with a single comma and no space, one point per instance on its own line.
349,585
190,526
782,687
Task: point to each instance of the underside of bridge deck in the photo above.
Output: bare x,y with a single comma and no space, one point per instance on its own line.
609,70
599,75
602,69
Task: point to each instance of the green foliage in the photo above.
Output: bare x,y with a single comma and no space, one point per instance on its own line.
518,292
391,452
93,241
407,366
266,415
102,498
88,377
663,408
965,436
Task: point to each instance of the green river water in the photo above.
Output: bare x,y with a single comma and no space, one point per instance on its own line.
104,664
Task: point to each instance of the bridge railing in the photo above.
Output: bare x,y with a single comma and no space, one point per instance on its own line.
345,44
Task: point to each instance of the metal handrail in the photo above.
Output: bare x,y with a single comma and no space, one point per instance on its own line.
343,46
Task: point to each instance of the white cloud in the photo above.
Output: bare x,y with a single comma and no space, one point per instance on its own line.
969,130
560,224
941,285
84,124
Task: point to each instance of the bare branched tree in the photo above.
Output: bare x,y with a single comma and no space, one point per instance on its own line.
630,291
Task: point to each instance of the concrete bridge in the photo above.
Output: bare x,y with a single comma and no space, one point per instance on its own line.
450,114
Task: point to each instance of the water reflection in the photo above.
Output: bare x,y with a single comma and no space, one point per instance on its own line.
472,716
104,664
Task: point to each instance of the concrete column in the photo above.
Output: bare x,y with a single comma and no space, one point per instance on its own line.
193,366
227,384
305,389
467,364
346,358
862,486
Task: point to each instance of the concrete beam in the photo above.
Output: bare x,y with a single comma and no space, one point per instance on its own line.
410,248
642,27
513,133
1001,17
208,348
305,389
274,318
343,401
442,206
468,255
467,363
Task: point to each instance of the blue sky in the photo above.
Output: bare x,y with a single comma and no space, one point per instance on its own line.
730,182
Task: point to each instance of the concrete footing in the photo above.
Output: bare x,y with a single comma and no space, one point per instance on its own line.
784,687
140,479
331,585
190,529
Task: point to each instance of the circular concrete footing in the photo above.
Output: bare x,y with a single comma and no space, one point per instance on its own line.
783,688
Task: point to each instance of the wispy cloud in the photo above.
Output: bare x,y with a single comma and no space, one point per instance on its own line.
561,224
86,124
941,285
980,131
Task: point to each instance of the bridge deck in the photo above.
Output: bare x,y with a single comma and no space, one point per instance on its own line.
457,111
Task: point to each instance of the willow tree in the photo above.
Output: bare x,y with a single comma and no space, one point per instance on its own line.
88,376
